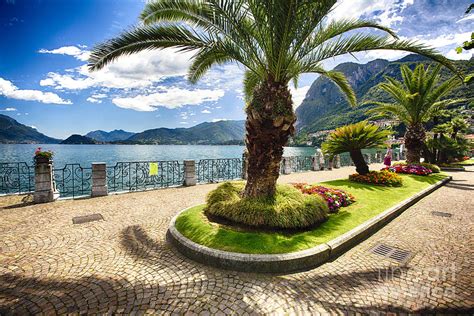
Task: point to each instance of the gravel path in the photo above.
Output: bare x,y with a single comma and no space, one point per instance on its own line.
123,264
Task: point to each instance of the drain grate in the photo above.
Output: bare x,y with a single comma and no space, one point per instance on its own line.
442,214
87,218
396,254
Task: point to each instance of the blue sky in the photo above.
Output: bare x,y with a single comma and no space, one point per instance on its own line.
44,82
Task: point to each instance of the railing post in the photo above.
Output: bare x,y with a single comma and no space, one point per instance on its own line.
190,173
99,179
337,161
286,165
45,190
244,166
396,156
330,160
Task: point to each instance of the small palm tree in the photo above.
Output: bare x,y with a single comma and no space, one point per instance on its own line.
416,99
353,138
275,41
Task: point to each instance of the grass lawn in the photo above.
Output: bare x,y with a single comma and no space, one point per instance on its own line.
465,162
370,201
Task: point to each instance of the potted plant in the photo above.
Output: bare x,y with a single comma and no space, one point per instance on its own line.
43,156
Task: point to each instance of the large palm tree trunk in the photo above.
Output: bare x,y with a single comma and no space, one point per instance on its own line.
414,141
270,122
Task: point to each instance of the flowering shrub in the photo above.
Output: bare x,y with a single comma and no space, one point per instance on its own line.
383,177
335,198
430,166
45,154
410,169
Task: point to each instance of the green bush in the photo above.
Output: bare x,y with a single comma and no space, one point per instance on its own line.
289,208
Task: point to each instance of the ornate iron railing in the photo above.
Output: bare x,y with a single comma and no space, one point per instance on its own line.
16,177
144,175
300,163
73,180
216,170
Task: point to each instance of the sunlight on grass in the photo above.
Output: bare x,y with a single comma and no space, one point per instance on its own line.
370,201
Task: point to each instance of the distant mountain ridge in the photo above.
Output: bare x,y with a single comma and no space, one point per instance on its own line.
12,132
112,136
325,108
207,133
76,139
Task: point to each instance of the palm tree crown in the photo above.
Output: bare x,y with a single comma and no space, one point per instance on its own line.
353,138
273,39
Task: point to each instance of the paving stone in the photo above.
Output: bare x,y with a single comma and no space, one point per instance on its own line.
123,265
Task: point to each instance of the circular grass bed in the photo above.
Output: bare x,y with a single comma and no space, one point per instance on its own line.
289,209
371,201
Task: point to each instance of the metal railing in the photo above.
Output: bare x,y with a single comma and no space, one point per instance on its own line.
139,175
73,180
300,163
216,170
16,177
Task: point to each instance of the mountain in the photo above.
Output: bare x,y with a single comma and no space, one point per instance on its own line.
76,139
325,108
12,132
221,132
113,136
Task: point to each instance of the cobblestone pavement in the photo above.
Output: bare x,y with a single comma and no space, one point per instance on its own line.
123,264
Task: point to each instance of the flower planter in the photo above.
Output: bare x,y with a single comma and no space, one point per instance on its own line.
43,160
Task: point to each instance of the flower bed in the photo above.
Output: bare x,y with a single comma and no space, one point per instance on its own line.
434,168
384,177
410,169
334,198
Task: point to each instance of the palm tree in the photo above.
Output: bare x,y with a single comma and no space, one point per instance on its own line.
353,138
416,99
275,41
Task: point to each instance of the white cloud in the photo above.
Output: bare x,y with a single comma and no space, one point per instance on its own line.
183,122
134,71
298,95
32,126
387,12
9,90
465,55
169,98
206,111
219,119
96,98
9,110
74,51
446,39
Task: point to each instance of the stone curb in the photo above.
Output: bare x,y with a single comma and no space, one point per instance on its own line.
452,168
293,261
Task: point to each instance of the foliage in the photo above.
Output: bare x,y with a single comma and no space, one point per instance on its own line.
449,149
355,137
434,168
417,97
467,45
384,177
43,154
415,169
288,209
335,198
194,225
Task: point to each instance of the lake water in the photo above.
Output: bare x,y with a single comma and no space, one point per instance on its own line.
110,154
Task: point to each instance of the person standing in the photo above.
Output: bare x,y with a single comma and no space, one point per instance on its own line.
387,160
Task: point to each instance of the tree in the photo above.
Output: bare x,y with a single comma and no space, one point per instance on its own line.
353,138
275,41
416,99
